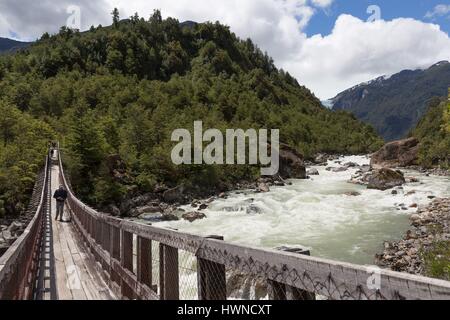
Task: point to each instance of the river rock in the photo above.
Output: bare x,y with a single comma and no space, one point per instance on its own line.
149,209
360,178
291,163
170,217
399,153
263,187
339,169
253,209
139,201
323,158
174,195
113,210
353,194
193,216
313,172
8,237
351,165
384,179
151,217
430,225
15,227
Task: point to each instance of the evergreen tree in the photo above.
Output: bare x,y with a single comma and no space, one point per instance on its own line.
115,16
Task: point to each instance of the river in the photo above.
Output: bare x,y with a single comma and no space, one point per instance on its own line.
317,214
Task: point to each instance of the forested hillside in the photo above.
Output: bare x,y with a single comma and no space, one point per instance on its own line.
433,132
9,45
121,90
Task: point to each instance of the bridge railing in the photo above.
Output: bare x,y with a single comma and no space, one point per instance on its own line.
18,265
142,261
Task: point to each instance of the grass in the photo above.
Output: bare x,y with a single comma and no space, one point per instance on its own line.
437,260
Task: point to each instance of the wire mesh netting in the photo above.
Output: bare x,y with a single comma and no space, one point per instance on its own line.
183,275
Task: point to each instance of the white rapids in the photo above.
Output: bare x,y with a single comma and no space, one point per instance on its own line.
318,215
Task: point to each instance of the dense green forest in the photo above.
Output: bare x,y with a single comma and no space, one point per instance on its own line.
433,132
23,145
122,90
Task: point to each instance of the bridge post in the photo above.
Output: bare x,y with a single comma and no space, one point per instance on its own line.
168,273
127,261
144,261
211,278
281,291
106,241
115,254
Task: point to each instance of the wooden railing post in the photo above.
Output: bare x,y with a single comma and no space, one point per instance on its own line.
127,261
168,273
281,291
144,261
115,255
211,278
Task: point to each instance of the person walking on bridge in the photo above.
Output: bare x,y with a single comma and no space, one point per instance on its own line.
61,197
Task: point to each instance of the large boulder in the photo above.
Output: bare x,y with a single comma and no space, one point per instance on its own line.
313,172
384,179
193,216
399,153
175,195
292,164
127,205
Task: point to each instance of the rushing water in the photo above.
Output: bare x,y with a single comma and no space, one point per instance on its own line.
318,215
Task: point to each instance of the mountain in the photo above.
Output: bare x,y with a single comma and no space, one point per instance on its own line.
9,45
394,105
116,94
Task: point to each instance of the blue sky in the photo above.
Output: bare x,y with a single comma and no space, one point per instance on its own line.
323,21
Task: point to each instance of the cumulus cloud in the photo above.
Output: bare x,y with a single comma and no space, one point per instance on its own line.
28,19
322,3
355,51
438,11
358,51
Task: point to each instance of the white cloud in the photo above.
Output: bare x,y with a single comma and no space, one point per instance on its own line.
358,51
322,3
355,51
438,11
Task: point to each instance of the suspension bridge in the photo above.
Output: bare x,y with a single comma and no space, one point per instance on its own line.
93,256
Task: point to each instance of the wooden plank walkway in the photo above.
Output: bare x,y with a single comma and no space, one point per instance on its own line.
67,271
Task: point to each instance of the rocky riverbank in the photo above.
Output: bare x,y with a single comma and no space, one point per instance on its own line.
430,226
163,203
10,230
